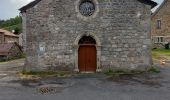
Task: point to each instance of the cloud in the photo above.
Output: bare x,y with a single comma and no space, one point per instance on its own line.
13,1
9,8
20,2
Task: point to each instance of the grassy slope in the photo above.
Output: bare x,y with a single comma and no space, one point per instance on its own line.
160,54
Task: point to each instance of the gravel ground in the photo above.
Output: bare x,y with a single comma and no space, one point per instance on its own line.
83,86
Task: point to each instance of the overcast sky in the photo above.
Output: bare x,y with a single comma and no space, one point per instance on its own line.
9,8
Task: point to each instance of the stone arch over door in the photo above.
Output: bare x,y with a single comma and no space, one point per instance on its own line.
98,50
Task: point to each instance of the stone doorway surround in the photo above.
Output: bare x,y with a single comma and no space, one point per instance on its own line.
98,48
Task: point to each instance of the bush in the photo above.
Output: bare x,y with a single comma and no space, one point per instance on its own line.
153,70
109,72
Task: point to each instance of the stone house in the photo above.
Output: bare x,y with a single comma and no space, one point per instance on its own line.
87,35
8,37
9,51
161,25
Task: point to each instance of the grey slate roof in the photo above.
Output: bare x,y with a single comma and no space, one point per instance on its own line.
157,10
30,5
33,3
149,2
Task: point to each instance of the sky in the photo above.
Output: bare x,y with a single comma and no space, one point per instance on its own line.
9,8
159,2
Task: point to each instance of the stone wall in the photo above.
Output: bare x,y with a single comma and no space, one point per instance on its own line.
160,43
9,39
15,52
121,26
24,31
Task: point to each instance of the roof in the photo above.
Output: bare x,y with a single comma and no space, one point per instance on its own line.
30,5
33,3
5,48
8,33
159,8
149,2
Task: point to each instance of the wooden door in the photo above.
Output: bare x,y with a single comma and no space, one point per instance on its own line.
87,58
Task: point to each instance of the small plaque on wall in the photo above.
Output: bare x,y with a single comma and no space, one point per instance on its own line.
41,48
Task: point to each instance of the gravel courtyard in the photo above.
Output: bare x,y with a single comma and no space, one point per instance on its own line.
83,86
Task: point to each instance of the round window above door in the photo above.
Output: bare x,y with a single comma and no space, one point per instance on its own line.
87,8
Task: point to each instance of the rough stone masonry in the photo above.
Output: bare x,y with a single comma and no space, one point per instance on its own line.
53,29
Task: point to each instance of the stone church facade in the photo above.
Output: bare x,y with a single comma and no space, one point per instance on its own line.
87,35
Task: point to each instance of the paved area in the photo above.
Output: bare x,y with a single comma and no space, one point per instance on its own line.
87,87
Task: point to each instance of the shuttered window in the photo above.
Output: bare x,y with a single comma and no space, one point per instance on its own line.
158,24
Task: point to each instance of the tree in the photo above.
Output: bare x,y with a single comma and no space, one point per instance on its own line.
16,30
12,24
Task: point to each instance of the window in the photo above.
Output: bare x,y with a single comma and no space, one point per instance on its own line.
87,40
87,8
158,24
161,39
158,39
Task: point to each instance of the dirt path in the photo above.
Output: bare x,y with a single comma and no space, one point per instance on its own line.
10,68
11,65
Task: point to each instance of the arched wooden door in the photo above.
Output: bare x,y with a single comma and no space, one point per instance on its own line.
87,57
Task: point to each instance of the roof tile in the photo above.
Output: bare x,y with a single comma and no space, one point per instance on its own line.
7,33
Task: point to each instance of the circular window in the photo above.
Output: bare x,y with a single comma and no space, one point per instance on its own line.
87,8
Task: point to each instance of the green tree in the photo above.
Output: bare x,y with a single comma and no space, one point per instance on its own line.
12,24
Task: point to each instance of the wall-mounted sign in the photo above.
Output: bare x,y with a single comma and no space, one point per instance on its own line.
41,47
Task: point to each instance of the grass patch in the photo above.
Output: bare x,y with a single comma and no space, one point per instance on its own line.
153,69
160,54
12,58
109,72
161,51
40,74
119,72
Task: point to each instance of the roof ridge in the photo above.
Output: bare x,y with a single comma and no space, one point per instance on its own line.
33,3
7,33
150,2
29,5
159,8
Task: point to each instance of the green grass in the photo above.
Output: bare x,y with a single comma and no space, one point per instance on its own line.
13,58
161,51
118,72
46,73
153,70
160,54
